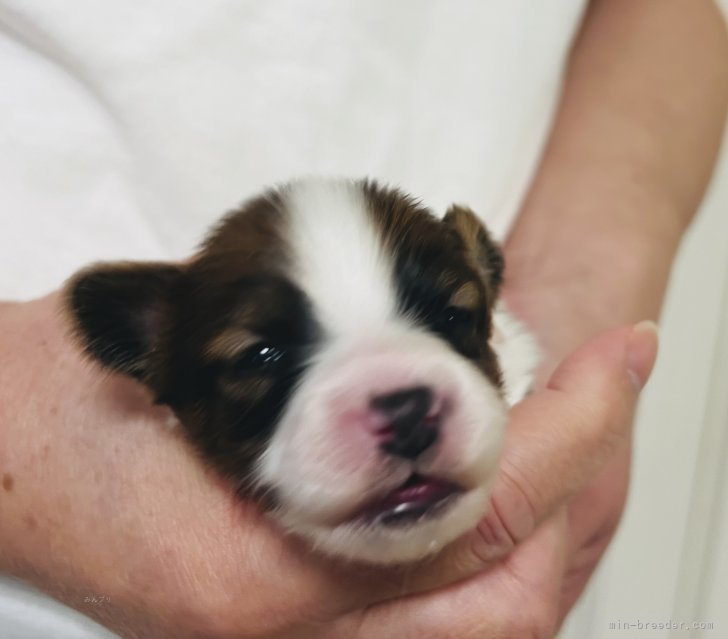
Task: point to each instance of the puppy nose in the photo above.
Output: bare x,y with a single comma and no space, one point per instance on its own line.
409,431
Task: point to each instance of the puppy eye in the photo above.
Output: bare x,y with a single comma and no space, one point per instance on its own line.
455,317
261,358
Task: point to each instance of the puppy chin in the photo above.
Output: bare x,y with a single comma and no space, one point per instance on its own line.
376,544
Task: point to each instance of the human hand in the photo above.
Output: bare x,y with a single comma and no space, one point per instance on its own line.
100,499
591,517
620,179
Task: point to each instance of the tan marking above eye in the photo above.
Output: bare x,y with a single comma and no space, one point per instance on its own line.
230,343
466,296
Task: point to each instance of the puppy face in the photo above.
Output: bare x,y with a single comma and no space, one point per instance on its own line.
328,350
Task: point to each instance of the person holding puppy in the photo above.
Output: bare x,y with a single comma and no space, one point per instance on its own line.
132,517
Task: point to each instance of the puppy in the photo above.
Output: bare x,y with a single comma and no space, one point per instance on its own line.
331,351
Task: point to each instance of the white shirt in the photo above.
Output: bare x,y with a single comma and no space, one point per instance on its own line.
126,128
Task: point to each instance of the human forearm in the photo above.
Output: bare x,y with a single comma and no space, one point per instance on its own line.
631,152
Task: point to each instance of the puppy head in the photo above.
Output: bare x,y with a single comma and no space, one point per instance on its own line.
328,349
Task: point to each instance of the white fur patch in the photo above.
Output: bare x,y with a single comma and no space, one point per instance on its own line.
518,355
338,257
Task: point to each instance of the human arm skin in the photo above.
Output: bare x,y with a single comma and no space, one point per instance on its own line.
632,149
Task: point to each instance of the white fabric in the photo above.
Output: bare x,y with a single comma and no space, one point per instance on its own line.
126,128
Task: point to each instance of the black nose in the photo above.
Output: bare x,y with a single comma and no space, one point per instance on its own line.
409,431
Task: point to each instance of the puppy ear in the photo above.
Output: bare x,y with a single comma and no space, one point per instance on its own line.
483,251
120,310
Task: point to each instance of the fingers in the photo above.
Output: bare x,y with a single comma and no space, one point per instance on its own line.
517,597
595,512
593,517
558,440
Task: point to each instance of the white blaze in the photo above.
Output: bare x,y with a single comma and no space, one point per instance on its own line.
339,260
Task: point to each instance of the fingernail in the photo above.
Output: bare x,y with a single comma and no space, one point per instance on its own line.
642,352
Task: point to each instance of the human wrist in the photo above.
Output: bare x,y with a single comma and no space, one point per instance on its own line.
565,224
584,266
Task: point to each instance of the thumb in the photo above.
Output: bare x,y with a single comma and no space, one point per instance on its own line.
560,438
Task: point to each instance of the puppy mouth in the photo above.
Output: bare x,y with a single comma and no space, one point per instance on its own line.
418,498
